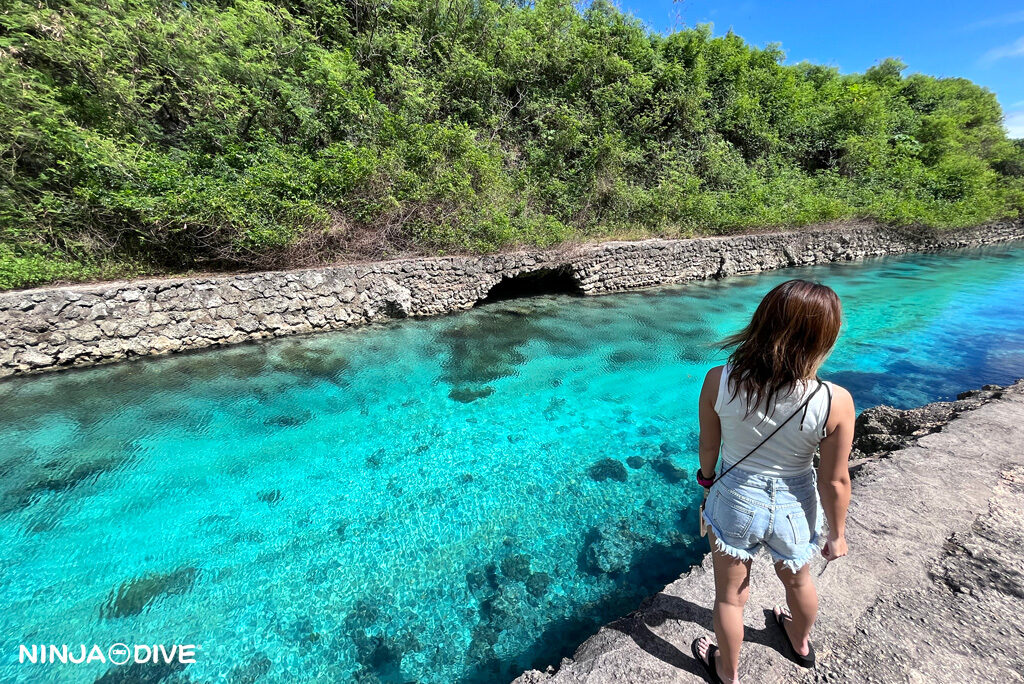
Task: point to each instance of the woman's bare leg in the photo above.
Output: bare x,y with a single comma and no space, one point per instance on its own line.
802,598
732,587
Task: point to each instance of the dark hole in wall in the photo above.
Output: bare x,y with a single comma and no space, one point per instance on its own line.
531,283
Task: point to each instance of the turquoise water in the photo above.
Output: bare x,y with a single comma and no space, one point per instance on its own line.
442,500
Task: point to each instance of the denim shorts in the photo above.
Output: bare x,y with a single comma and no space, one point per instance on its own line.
784,514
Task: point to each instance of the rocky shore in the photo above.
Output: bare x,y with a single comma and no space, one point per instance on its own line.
60,327
933,588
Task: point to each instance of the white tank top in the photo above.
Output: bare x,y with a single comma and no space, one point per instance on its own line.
791,450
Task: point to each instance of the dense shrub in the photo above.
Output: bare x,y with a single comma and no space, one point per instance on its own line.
138,135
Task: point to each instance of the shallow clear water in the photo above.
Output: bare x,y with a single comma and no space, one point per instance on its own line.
452,499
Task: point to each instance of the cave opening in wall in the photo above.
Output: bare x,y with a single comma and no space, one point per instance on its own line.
532,283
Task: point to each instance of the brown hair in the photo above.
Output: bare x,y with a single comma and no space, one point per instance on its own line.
792,332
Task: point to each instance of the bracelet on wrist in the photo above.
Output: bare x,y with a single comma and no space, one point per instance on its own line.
704,481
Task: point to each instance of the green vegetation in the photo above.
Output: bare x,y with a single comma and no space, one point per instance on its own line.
143,136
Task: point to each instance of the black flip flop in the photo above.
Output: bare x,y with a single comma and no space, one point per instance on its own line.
710,671
801,660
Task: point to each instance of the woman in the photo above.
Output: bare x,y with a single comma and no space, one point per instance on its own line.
767,412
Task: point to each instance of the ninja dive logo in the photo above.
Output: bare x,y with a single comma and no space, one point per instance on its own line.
115,654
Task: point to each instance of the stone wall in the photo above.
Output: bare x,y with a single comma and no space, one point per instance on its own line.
52,328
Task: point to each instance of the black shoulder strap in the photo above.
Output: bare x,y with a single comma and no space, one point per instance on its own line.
828,412
800,409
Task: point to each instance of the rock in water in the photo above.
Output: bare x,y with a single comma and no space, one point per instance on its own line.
292,420
466,395
140,673
610,547
607,469
270,497
135,594
537,584
251,671
669,470
516,567
635,462
669,448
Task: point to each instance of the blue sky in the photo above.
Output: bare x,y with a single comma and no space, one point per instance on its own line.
981,40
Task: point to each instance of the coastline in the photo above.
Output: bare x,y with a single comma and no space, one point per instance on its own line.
81,325
921,558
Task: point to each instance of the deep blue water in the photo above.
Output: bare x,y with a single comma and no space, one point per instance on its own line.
441,500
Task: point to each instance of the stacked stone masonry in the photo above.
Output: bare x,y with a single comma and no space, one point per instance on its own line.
51,328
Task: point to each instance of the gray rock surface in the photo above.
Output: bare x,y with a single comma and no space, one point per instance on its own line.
932,591
882,430
51,328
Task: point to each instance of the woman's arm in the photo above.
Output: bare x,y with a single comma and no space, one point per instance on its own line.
710,425
834,472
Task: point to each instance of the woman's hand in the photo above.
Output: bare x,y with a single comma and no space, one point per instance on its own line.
834,548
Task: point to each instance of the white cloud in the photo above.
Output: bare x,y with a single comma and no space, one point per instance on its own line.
1014,49
1001,20
1014,124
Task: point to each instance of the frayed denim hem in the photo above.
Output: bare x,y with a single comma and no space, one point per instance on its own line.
794,565
738,554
